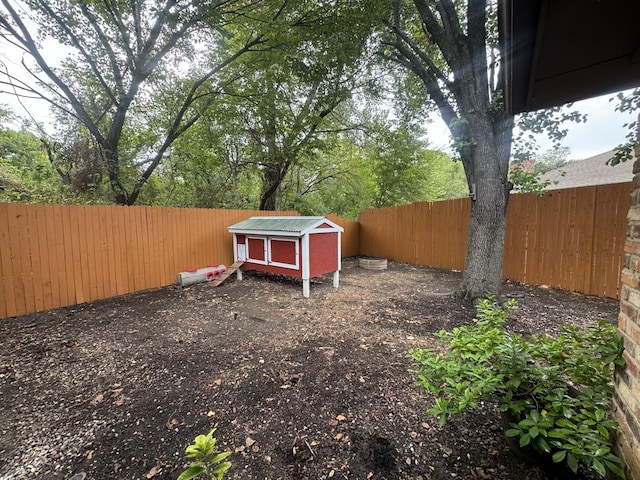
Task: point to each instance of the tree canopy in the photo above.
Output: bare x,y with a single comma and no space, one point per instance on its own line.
121,56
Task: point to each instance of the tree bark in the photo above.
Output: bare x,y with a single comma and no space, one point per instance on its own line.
272,179
488,167
485,242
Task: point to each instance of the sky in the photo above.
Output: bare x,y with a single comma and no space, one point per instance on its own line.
604,130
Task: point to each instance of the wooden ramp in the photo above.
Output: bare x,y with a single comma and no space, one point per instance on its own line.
230,270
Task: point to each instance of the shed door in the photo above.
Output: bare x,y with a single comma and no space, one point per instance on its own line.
284,252
257,250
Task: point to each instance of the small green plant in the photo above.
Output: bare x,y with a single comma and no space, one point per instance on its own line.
206,461
554,392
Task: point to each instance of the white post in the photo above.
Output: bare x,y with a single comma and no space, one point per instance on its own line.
239,274
336,278
305,288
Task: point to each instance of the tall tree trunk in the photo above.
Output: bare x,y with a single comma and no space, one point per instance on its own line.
112,167
488,167
485,242
272,179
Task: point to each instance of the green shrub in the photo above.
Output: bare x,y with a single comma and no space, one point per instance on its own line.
556,391
205,459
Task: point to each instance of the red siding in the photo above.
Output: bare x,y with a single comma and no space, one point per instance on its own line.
284,251
323,253
256,248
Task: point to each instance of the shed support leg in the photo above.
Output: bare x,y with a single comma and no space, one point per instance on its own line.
336,278
239,274
305,288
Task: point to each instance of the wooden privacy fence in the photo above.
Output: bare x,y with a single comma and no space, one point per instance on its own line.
422,233
350,236
572,239
57,255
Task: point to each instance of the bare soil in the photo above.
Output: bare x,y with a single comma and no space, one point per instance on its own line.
298,388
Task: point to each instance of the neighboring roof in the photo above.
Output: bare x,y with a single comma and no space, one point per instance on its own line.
591,171
284,225
561,51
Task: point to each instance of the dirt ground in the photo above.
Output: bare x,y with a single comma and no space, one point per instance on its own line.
298,388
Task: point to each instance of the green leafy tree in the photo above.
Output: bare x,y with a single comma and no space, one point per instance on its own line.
627,103
210,165
25,172
553,158
337,179
525,172
288,97
406,171
123,54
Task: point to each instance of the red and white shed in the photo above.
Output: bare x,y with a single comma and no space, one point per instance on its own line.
302,247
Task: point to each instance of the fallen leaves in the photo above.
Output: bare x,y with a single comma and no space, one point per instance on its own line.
446,451
249,444
335,421
172,423
155,470
114,394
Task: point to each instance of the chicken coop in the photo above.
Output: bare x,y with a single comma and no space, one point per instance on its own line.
301,247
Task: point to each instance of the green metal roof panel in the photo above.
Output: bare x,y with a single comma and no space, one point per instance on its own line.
280,224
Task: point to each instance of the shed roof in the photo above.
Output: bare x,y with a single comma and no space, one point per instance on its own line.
591,171
284,225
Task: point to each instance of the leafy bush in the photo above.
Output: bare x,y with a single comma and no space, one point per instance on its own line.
205,459
556,391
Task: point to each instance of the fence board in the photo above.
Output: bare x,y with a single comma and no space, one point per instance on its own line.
32,255
150,251
23,299
586,199
112,252
58,263
102,260
568,238
52,295
70,243
7,295
163,276
514,263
